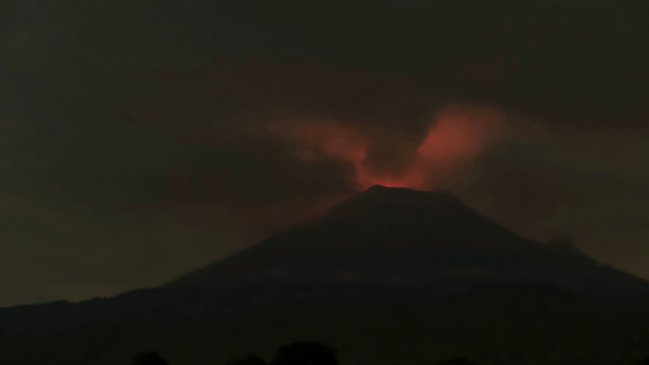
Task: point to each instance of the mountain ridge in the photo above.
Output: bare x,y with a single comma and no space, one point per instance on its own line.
387,235
400,275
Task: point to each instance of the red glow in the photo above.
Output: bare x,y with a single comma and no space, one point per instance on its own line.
453,142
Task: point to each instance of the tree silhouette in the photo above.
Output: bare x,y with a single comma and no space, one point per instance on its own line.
249,359
149,358
305,353
457,361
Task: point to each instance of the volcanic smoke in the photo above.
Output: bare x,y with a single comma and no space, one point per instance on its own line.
452,142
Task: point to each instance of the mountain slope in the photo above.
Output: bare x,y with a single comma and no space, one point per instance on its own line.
405,237
389,276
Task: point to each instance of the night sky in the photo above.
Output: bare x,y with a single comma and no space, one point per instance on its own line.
142,139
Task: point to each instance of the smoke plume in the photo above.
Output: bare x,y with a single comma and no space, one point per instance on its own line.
453,141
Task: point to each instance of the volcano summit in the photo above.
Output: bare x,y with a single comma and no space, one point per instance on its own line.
396,236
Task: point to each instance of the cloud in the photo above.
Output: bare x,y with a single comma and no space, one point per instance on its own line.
456,137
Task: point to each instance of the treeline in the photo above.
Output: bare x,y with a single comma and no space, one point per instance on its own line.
301,353
298,353
305,353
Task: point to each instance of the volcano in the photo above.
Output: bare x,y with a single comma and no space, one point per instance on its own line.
396,236
390,276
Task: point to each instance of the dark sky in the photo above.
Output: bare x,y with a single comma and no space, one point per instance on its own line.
142,139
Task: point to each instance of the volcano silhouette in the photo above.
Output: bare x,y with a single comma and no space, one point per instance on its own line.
396,236
389,276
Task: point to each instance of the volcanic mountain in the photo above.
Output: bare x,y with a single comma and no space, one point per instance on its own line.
395,236
389,276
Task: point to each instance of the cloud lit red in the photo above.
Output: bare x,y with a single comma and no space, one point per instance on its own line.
453,141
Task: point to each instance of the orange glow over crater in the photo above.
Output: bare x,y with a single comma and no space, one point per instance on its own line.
456,138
